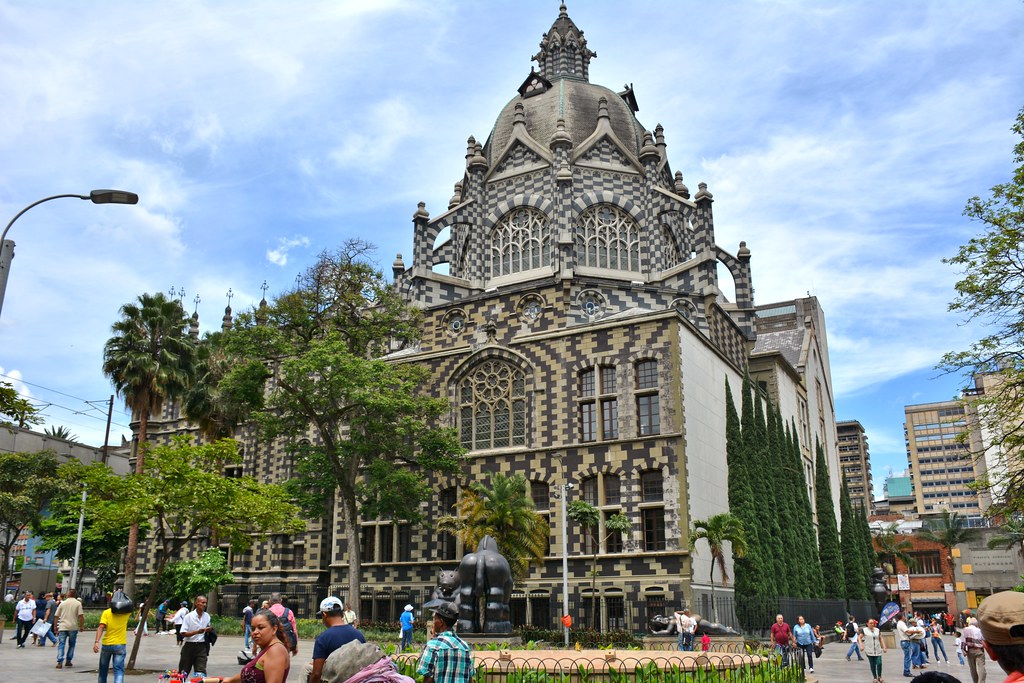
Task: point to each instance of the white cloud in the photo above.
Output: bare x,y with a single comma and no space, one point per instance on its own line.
279,256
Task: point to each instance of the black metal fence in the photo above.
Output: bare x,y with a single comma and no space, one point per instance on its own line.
749,616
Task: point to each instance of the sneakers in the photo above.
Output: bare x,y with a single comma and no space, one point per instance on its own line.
811,669
68,664
60,665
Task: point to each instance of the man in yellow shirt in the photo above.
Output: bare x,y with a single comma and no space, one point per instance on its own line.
113,634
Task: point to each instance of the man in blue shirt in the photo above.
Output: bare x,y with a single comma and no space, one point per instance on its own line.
446,658
337,633
407,620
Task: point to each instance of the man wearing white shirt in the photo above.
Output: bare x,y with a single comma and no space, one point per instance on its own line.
26,616
194,648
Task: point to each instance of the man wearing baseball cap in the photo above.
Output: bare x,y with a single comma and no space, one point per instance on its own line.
336,634
1001,618
446,658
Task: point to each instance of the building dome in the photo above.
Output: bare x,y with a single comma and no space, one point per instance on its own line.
561,89
577,102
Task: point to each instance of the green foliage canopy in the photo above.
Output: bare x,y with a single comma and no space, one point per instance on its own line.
990,293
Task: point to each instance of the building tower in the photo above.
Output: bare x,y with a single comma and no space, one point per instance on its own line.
855,463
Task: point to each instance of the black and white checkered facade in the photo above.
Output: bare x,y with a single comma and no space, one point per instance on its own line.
572,248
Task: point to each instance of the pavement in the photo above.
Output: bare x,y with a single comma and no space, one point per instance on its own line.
832,667
35,664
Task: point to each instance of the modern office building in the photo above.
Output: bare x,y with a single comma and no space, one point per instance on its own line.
940,461
855,463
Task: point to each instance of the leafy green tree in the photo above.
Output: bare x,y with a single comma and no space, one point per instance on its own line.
59,532
892,545
14,410
990,295
200,575
1011,534
589,517
716,531
829,549
186,498
149,359
949,531
503,510
811,583
855,574
60,432
27,485
361,429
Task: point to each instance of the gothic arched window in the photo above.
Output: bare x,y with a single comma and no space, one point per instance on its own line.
520,241
606,237
492,406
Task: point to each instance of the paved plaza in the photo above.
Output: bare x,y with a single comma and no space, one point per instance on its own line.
37,664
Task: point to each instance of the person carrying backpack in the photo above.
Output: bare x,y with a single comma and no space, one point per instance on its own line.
287,618
851,636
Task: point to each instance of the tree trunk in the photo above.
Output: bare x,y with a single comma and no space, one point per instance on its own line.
351,520
154,586
714,610
132,554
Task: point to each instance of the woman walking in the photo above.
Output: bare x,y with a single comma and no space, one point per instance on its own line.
937,645
872,646
803,636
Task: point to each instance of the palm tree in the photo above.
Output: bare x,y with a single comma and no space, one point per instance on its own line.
60,432
505,511
1011,534
716,530
892,544
149,359
948,531
589,517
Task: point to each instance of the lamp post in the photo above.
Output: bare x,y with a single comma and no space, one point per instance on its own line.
96,197
563,492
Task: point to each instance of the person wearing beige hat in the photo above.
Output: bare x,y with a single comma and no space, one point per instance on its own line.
1001,619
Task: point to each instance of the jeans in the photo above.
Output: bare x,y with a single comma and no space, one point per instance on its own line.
854,647
917,648
908,652
248,631
406,639
117,653
808,653
69,637
685,641
784,651
938,646
49,636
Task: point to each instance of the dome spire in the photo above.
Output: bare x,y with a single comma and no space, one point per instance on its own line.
563,50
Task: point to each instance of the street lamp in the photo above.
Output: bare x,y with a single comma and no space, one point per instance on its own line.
96,197
563,493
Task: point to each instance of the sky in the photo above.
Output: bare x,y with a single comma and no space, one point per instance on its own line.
841,141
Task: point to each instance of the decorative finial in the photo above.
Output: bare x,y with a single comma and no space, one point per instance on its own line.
230,295
197,300
421,212
681,189
562,10
264,287
648,148
602,108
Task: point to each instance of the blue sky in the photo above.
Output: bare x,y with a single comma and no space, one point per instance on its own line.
841,140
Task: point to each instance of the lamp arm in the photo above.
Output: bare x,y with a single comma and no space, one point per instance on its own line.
37,203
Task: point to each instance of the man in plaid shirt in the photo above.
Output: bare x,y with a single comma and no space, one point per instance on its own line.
446,658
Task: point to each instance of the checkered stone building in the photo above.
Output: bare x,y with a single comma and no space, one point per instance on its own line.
574,322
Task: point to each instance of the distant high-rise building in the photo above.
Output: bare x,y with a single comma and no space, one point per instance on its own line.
897,497
941,466
855,463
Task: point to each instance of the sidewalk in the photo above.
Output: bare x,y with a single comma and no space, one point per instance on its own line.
833,667
36,664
